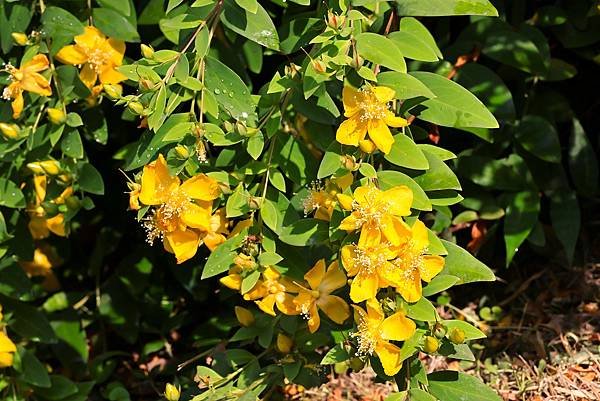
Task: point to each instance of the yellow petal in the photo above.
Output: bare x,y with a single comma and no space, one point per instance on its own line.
344,181
38,227
196,216
364,286
6,345
267,304
398,199
348,256
366,194
118,50
157,182
38,63
233,281
431,266
374,311
397,327
91,38
56,224
17,104
351,98
335,308
39,185
6,359
333,279
350,223
351,131
420,236
380,134
36,83
184,244
389,355
201,187
109,75
370,235
88,75
271,273
285,303
315,275
406,278
383,94
394,121
314,320
213,240
71,55
395,230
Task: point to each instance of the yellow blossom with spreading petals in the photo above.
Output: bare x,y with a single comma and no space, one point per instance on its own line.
27,78
413,264
271,290
182,211
377,213
322,282
40,225
98,55
370,266
367,111
44,260
375,331
322,199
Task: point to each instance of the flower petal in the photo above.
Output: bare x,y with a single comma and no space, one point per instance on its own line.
157,182
383,94
38,63
399,199
395,230
364,286
213,240
370,235
184,244
6,344
201,187
431,266
333,279
91,38
285,303
109,75
18,103
420,236
381,136
267,304
351,131
232,281
389,355
315,275
117,51
397,327
335,308
88,75
394,121
72,55
196,216
351,99
314,320
56,225
348,256
350,223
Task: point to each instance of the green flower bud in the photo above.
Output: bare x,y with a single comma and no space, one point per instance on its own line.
147,51
431,345
172,393
439,331
457,336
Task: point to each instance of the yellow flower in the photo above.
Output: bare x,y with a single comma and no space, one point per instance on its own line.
322,199
367,110
273,289
413,264
371,267
40,226
375,332
182,211
44,259
377,212
217,227
7,350
322,283
242,263
244,316
27,78
98,54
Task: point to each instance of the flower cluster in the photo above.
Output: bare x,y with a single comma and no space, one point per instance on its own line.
179,213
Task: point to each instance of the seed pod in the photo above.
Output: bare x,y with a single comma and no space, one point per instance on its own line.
56,116
147,51
20,38
172,393
457,336
255,202
431,345
439,331
335,21
244,316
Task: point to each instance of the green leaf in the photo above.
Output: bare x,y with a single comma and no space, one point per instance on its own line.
10,194
255,145
583,163
471,332
296,160
566,220
305,232
230,91
417,29
60,388
115,25
440,283
332,161
269,258
439,176
405,153
367,170
441,153
450,385
28,321
32,370
335,355
90,179
257,27
456,351
59,22
413,47
389,179
299,32
466,267
416,394
380,50
406,86
120,6
445,197
222,257
453,106
559,70
521,216
539,138
248,5
249,282
71,144
422,310
439,8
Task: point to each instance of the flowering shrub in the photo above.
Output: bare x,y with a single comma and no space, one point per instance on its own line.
279,175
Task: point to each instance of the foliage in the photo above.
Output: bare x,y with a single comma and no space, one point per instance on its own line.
297,183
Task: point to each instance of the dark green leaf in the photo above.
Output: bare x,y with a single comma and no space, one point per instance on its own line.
115,25
449,385
257,27
521,216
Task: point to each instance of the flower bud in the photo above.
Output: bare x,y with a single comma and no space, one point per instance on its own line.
50,167
367,146
20,38
228,126
357,62
240,128
457,336
73,202
136,107
172,393
244,316
182,151
431,345
349,163
284,343
439,331
319,66
114,91
255,202
147,51
35,168
335,21
56,116
10,131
